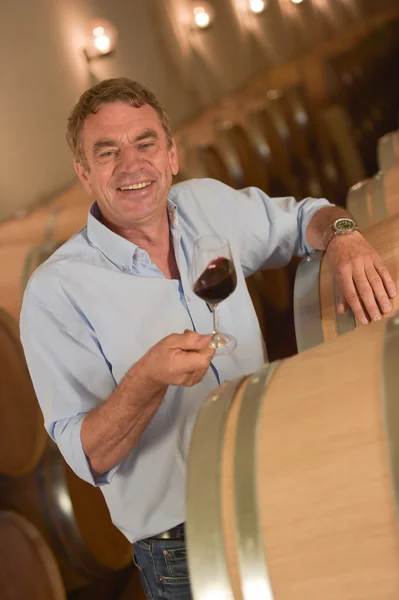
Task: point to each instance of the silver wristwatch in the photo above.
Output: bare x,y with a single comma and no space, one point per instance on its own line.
341,226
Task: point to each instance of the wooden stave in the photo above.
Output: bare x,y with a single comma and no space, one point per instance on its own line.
19,465
287,564
52,497
50,577
388,151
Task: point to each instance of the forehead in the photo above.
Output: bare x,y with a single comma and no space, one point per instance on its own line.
119,118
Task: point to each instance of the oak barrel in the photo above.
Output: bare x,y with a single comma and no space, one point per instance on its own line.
316,296
22,434
293,477
59,219
73,517
373,200
28,570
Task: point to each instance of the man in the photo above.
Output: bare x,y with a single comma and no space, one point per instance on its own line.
117,343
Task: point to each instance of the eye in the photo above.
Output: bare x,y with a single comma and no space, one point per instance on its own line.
107,153
146,146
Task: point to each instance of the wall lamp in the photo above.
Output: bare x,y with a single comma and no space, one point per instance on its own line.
203,15
257,6
102,36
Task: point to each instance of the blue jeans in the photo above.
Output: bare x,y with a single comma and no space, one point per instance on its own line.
163,569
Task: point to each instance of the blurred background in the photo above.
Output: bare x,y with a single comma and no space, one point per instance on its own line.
292,96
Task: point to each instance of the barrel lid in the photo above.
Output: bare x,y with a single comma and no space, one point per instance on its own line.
28,568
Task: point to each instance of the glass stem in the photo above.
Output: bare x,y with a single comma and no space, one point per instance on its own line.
215,308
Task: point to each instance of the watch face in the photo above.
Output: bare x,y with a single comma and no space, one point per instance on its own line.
344,225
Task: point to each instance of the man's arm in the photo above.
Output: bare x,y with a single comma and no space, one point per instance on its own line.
94,420
110,431
363,279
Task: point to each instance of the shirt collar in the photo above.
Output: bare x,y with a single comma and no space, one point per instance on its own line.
117,249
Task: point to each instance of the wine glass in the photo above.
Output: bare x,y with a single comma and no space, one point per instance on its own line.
214,278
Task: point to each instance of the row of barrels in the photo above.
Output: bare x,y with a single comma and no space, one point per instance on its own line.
272,139
363,79
293,471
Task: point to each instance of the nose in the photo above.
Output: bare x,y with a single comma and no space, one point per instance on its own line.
130,159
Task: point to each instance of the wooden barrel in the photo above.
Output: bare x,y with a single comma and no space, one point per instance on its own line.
270,145
204,160
239,155
59,220
315,293
293,477
28,569
22,434
73,517
388,151
375,199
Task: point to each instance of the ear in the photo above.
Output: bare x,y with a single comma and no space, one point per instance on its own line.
173,158
83,175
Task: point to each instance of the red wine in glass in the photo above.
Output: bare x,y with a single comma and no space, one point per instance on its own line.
214,278
217,282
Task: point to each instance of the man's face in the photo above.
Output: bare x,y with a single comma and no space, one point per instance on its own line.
130,167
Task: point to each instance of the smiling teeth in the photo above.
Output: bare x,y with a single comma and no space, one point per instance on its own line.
136,186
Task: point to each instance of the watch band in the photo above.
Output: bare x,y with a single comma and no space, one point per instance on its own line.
331,234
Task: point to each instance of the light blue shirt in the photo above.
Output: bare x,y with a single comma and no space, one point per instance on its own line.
98,304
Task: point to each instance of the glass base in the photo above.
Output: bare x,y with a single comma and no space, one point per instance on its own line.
223,343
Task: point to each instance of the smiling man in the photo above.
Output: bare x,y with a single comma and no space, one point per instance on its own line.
116,342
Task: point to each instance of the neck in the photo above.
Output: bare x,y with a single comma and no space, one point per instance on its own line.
156,239
148,236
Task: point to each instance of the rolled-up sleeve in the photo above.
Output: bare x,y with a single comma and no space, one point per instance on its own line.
271,230
70,374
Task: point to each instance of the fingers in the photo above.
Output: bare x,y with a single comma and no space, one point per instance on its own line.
190,340
367,288
191,362
386,279
351,294
193,378
342,305
378,289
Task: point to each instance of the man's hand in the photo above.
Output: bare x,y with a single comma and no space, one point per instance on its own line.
179,359
363,279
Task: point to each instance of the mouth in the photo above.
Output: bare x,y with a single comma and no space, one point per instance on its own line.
135,186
